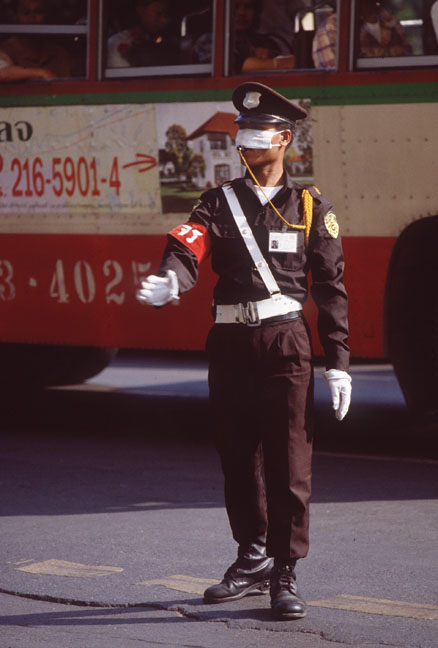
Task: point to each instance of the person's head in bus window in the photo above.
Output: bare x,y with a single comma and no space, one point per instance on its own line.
245,18
146,41
153,15
245,13
369,10
31,12
31,56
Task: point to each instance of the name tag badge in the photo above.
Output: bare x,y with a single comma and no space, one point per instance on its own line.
283,241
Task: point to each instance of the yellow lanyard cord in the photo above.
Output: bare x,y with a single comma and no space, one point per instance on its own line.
307,203
307,212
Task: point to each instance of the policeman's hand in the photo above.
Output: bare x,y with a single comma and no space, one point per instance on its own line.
340,389
158,291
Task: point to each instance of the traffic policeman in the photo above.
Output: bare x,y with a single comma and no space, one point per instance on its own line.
265,234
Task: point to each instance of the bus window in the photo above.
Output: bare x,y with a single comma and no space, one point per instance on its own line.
157,38
273,34
42,40
397,33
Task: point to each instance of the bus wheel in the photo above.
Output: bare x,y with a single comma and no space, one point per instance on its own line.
411,317
44,365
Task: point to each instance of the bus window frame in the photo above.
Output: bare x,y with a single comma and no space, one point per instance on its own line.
11,28
358,64
227,39
151,71
397,62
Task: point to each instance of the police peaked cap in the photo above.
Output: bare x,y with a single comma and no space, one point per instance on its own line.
260,104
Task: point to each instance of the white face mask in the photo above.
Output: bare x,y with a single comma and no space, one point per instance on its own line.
250,138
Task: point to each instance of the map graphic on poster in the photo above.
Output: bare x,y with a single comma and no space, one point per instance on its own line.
78,169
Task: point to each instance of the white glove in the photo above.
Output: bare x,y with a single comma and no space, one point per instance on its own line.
340,389
158,291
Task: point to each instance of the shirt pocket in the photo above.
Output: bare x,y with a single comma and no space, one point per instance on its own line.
289,260
228,247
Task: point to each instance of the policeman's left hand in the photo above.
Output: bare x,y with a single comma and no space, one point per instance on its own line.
340,389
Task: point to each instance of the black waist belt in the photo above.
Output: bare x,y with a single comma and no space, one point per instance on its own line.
279,318
271,320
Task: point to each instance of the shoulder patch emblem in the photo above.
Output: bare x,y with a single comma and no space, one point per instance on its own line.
331,224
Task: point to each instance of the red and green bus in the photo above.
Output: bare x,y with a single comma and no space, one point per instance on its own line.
102,156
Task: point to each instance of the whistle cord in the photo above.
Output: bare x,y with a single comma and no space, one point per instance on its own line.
301,227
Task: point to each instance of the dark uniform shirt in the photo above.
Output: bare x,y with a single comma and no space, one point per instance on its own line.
211,228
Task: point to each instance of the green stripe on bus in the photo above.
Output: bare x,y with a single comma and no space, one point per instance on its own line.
320,96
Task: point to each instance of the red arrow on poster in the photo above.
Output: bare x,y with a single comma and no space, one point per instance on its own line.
144,162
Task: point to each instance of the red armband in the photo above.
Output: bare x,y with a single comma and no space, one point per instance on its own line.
195,237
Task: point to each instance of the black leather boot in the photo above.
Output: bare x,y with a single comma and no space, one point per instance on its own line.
285,600
250,572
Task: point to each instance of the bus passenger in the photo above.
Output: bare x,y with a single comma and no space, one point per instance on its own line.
380,33
266,234
245,18
324,44
145,42
253,50
32,56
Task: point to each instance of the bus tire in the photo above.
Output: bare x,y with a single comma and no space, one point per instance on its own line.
39,365
411,316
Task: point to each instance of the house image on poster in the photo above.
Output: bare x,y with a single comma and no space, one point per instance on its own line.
214,141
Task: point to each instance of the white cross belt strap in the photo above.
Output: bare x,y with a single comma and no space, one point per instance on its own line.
253,312
250,242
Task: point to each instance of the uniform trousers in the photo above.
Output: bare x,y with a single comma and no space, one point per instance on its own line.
261,399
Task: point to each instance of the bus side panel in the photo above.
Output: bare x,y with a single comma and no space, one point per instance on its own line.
80,290
366,266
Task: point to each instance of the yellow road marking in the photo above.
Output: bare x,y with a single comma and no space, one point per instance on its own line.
367,605
192,585
55,567
181,583
385,607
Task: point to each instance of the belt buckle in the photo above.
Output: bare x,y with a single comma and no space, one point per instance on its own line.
252,314
248,314
240,313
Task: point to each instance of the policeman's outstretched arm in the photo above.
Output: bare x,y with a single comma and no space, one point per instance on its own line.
340,389
159,291
187,246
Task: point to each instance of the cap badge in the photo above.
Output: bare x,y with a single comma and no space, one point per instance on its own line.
252,100
331,225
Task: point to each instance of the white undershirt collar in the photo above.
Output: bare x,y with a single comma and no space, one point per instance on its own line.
269,191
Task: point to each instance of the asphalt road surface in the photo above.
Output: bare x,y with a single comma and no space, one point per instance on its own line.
113,520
